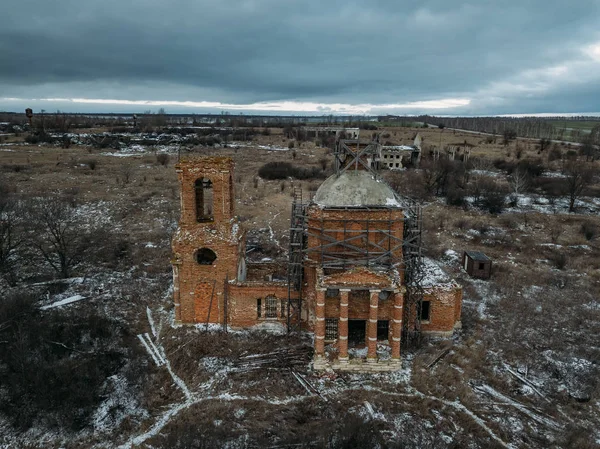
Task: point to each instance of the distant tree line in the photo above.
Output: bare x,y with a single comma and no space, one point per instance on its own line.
532,127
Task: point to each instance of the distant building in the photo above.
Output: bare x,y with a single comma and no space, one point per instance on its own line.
477,264
395,157
333,131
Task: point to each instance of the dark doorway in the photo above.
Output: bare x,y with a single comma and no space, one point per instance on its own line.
383,330
356,332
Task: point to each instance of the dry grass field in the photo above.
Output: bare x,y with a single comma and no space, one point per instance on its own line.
522,372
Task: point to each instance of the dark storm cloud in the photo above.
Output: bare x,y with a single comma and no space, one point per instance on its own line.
376,52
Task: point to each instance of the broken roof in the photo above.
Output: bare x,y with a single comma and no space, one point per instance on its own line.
355,188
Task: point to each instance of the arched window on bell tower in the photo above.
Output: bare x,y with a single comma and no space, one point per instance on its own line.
204,200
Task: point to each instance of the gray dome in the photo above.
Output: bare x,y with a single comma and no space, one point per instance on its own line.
355,188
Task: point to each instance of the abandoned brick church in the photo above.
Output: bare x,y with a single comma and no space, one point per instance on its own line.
356,276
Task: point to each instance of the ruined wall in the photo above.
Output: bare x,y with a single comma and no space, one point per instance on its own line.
242,302
445,309
220,171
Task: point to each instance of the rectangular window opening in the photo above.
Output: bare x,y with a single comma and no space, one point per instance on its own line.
258,307
425,312
481,265
270,307
383,330
331,329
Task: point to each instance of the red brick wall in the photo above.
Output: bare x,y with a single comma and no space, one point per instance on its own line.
242,304
309,295
359,306
444,309
332,221
220,171
332,307
198,285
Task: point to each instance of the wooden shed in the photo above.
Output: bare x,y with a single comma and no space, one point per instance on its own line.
477,264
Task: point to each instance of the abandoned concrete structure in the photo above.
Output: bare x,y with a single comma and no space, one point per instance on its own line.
356,276
395,157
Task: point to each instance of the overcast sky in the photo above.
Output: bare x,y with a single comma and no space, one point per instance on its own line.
302,57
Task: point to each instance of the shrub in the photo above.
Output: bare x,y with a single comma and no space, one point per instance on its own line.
589,230
162,159
571,155
492,197
555,154
40,137
533,167
559,259
284,170
15,167
323,163
55,364
456,197
368,126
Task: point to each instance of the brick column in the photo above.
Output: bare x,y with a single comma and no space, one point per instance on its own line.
396,325
372,327
320,325
176,292
343,327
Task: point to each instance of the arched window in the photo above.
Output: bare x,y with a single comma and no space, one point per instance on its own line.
204,199
205,256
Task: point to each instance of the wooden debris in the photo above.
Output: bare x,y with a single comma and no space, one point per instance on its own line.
525,381
439,357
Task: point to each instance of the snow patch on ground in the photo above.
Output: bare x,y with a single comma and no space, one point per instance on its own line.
493,174
271,328
63,302
451,256
119,404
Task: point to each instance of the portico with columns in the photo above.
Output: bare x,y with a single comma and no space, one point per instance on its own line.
364,298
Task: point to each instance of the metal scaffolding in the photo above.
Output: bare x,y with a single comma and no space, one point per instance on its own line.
296,260
351,154
412,255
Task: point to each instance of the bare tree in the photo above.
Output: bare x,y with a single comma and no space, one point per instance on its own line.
545,143
591,145
11,235
508,136
59,234
578,177
439,175
519,181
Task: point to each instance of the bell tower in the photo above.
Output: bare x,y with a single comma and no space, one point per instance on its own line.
208,245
